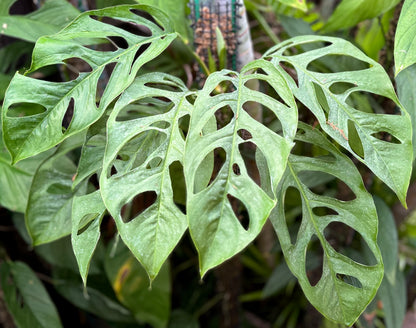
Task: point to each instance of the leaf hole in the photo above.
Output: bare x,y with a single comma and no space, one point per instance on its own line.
90,219
144,107
341,87
191,98
153,163
97,44
314,261
244,134
348,242
118,41
385,136
240,211
236,169
75,65
354,140
350,280
131,27
224,116
372,103
68,116
102,82
177,179
163,86
146,16
324,211
138,205
344,63
306,47
183,124
225,86
219,160
140,51
311,150
321,98
25,109
291,70
248,151
293,212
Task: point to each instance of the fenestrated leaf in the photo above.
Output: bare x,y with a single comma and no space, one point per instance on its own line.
49,19
48,213
87,213
26,298
29,135
339,300
335,112
215,229
405,38
142,149
350,12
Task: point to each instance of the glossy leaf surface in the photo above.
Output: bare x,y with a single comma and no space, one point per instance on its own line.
139,153
345,286
32,134
351,125
217,232
405,37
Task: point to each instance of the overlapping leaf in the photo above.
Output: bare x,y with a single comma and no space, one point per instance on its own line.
335,294
405,38
29,135
348,125
215,229
142,150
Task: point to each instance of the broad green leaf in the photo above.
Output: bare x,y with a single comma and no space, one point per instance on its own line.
405,38
26,298
131,287
406,85
357,131
48,213
350,12
49,19
29,135
142,150
387,239
345,286
299,4
176,10
215,229
87,213
393,296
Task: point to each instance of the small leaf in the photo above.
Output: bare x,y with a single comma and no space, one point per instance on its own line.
141,148
350,12
87,213
26,298
340,117
48,214
215,229
131,287
345,287
29,135
405,38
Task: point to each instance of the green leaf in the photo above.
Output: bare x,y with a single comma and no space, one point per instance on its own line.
357,131
87,213
298,4
49,19
48,213
214,227
350,12
406,85
405,38
338,299
142,149
30,135
387,239
131,286
26,298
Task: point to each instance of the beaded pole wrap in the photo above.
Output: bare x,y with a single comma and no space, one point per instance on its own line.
229,16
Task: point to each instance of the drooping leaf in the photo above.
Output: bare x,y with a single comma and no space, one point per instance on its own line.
406,84
215,229
405,38
87,213
26,298
142,149
29,135
350,12
49,19
131,287
345,286
377,140
48,213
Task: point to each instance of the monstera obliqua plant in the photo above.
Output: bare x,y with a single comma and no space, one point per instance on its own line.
199,158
